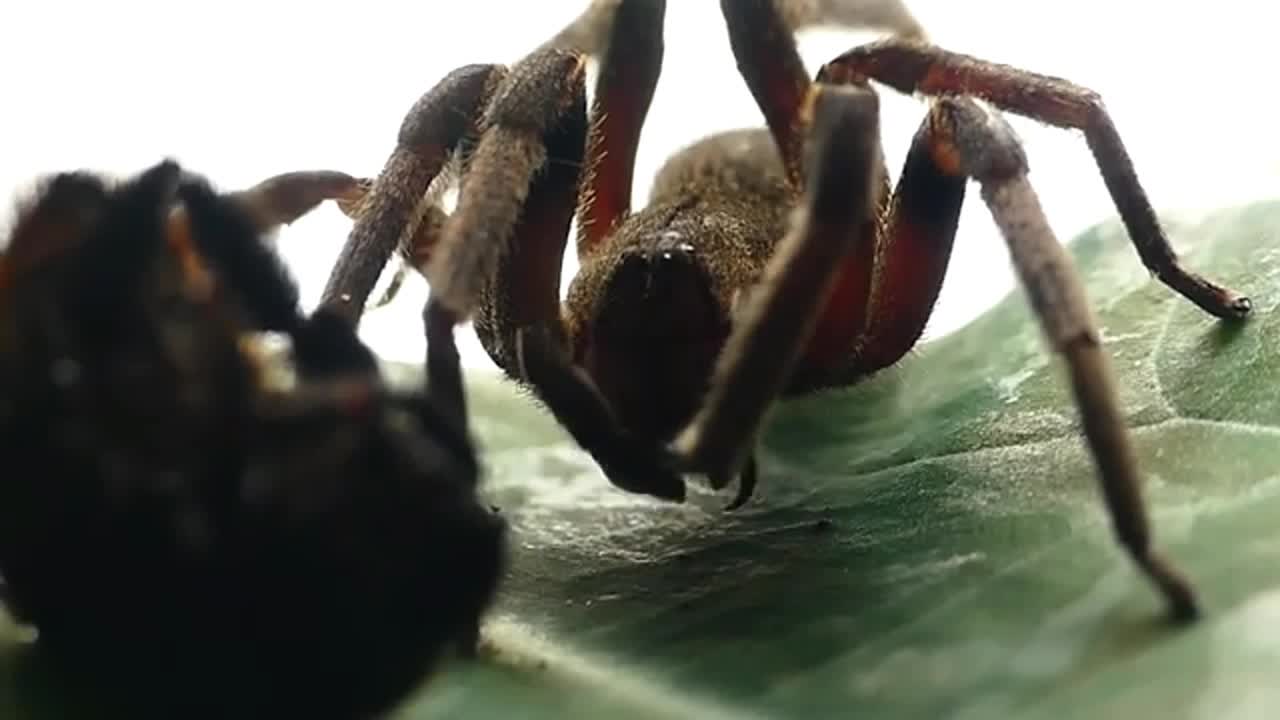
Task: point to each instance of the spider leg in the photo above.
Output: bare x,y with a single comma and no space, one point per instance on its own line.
859,334
413,251
887,288
913,67
836,253
986,148
503,245
626,37
416,253
761,35
501,250
580,408
771,66
393,286
778,317
428,139
746,483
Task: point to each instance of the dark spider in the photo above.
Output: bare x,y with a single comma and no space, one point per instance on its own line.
768,262
181,529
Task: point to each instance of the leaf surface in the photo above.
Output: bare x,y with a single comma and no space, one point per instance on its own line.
930,543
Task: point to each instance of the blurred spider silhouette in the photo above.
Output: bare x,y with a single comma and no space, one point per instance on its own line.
196,532
768,262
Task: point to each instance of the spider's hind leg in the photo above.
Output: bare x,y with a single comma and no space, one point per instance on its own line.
913,67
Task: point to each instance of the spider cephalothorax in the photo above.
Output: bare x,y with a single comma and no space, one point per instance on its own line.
769,261
202,536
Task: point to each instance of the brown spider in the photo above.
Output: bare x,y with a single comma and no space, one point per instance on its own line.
194,537
768,262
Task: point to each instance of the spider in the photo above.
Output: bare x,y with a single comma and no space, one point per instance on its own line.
186,527
769,261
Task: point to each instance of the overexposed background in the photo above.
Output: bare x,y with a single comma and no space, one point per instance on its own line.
240,91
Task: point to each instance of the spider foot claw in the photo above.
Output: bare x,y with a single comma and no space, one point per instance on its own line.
746,485
720,476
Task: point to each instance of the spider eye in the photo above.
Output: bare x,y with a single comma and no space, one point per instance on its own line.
661,276
675,250
659,289
677,271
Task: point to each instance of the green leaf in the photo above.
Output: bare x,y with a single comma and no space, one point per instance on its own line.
929,543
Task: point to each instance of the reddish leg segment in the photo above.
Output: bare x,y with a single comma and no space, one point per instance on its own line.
626,37
918,234
761,33
771,66
858,334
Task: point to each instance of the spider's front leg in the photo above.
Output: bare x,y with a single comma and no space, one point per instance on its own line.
625,37
505,241
393,205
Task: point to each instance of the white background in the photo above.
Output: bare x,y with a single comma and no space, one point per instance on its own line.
240,91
